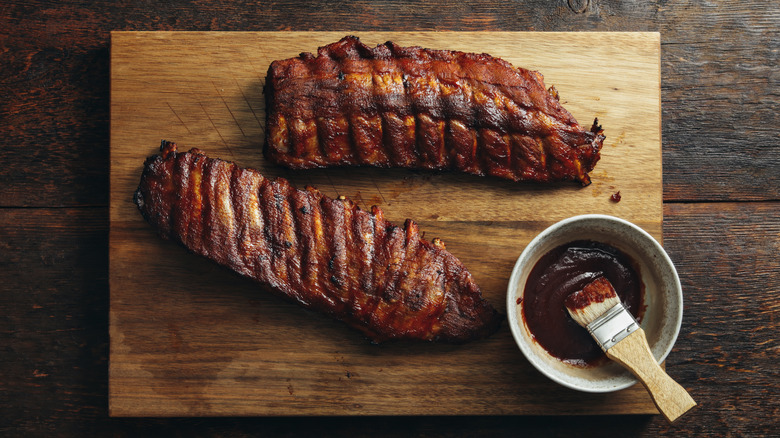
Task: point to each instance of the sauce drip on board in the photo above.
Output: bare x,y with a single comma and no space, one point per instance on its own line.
563,271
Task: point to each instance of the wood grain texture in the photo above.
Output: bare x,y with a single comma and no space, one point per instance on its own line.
53,327
188,339
730,285
719,89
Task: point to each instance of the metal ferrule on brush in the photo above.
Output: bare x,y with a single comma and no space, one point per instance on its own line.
611,327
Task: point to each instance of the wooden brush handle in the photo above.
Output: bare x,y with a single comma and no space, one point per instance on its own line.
634,354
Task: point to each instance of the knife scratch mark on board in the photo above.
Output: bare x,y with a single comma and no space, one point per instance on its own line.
215,128
232,116
384,201
331,183
177,116
259,53
259,123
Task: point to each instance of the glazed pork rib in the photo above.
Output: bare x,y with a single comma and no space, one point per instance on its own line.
325,254
393,106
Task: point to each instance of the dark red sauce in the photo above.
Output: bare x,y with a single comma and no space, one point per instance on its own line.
563,271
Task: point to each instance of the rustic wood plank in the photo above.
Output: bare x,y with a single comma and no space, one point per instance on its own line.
726,254
720,102
53,327
54,112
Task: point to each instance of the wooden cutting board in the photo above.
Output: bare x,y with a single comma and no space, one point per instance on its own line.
189,338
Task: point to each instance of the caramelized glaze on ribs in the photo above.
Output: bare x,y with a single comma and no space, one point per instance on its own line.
325,254
393,106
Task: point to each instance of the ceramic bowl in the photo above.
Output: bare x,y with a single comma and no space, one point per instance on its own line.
662,298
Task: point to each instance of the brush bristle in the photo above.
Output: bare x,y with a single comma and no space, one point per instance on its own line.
595,299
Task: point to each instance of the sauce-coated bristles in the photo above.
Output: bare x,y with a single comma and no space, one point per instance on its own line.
595,299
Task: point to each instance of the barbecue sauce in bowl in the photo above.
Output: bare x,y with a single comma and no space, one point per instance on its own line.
563,271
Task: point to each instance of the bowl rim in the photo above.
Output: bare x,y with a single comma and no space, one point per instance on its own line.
515,320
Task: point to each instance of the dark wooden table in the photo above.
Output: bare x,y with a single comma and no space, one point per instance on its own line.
721,129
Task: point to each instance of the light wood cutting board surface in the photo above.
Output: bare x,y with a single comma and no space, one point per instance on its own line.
189,338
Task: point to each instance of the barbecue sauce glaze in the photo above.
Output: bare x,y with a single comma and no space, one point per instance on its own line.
563,271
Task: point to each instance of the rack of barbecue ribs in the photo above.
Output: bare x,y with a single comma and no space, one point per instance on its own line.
325,254
393,106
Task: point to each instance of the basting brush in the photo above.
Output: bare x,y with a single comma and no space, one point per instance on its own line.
597,308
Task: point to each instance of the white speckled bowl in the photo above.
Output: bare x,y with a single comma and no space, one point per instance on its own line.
663,298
